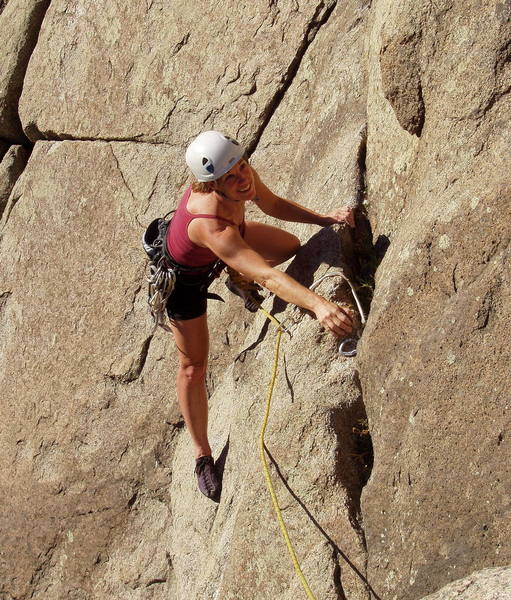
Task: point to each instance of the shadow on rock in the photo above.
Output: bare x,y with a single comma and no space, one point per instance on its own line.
323,248
337,551
222,459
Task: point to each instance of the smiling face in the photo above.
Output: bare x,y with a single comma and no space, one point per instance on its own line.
238,183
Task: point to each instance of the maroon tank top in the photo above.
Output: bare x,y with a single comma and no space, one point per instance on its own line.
180,246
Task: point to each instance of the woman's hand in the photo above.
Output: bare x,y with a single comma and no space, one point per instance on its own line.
346,214
333,317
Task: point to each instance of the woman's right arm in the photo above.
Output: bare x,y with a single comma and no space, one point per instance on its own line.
226,242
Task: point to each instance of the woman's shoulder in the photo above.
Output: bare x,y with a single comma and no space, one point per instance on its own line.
202,203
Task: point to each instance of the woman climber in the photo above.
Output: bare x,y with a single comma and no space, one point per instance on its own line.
209,224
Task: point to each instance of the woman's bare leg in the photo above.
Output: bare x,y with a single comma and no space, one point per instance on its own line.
192,341
274,244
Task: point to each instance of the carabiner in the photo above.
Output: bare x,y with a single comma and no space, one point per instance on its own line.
348,347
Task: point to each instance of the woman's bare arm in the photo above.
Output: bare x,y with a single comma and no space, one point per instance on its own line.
226,242
287,210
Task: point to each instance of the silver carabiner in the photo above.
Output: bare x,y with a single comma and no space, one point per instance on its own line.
348,347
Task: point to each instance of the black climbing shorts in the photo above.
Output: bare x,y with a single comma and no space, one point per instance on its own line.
189,297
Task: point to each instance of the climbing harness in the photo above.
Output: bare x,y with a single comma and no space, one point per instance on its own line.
344,349
164,271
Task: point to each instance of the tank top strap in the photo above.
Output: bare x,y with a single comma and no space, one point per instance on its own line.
202,216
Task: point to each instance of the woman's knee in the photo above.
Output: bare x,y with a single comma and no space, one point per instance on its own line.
295,245
288,250
192,371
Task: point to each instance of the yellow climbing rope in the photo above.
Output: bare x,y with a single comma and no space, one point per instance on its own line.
280,329
273,495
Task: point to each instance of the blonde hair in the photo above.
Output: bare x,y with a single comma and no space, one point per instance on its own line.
205,187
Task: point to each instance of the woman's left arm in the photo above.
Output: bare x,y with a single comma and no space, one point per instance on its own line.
287,210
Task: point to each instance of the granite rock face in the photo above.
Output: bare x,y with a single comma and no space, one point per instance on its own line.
95,435
85,440
401,107
488,584
162,71
86,462
315,140
435,352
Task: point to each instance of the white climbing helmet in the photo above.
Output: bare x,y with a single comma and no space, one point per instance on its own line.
212,154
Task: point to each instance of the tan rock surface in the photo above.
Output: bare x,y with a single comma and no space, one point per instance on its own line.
435,353
20,21
89,397
488,584
85,461
162,71
312,144
98,499
313,147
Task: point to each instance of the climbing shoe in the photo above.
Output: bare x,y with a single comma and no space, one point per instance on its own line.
207,477
249,291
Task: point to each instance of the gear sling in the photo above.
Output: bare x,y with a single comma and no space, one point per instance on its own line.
164,271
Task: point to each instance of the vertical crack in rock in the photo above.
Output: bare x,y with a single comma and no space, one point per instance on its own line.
10,120
166,121
361,190
12,166
354,465
180,44
132,500
288,380
354,441
365,255
136,292
4,297
320,18
339,590
137,366
121,173
13,200
366,258
45,564
355,456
